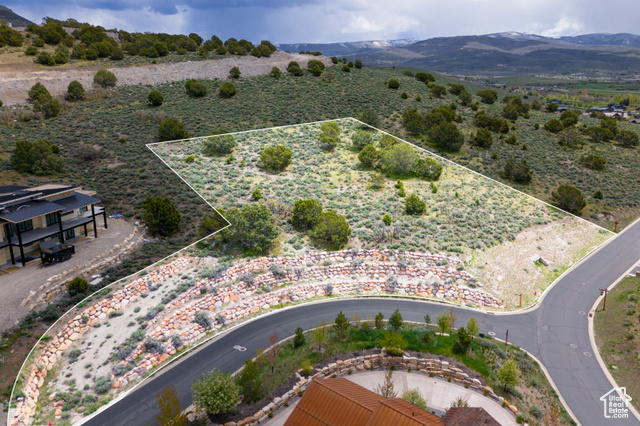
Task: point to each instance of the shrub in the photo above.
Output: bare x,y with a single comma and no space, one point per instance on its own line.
227,90
332,229
305,214
361,138
313,63
437,91
358,64
249,381
276,73
414,397
488,96
369,117
172,129
202,319
593,161
569,198
346,68
368,156
105,78
394,343
598,195
447,136
45,58
216,392
195,88
554,126
518,171
275,158
571,138
414,205
307,368
219,145
251,227
155,98
234,72
256,194
393,84
628,138
75,91
424,77
102,385
161,216
38,158
299,338
38,92
404,95
482,138
31,51
88,152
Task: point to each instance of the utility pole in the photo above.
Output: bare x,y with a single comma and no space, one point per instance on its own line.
604,302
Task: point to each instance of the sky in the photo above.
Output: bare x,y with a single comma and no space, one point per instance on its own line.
328,21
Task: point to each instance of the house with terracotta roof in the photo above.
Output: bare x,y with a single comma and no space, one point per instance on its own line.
340,402
31,215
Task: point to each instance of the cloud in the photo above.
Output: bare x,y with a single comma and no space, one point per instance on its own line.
360,24
564,27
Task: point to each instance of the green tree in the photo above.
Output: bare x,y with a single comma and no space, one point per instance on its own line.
161,216
437,91
444,321
399,160
216,392
358,64
211,222
461,345
332,229
393,84
38,158
275,158
170,409
517,170
234,72
305,214
394,343
593,161
249,381
456,88
386,388
554,126
395,321
571,137
600,134
628,138
472,326
414,205
569,198
329,135
611,124
509,374
252,227
361,138
155,98
482,139
552,107
569,118
341,325
369,117
219,145
387,141
105,78
276,73
330,128
44,58
465,98
447,136
298,339
78,285
227,90
369,156
256,195
38,92
379,321
320,334
195,88
424,77
171,129
313,63
414,397
488,96
427,319
75,91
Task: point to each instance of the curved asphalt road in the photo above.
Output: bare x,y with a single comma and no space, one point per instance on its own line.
556,332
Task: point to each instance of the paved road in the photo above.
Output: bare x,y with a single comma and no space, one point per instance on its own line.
548,332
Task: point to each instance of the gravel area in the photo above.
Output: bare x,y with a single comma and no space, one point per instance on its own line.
14,85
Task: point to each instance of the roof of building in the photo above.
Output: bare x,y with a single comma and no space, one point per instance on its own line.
24,203
334,402
468,416
399,412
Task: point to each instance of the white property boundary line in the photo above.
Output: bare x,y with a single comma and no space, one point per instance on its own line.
445,160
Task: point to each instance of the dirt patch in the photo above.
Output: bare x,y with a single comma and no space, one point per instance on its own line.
14,85
511,267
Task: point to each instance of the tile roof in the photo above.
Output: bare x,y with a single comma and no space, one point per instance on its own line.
399,412
468,416
335,402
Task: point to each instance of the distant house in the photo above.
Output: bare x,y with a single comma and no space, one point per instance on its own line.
29,216
340,402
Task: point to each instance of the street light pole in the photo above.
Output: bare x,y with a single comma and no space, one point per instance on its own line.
604,302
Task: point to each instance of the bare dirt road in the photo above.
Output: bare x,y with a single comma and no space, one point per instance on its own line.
14,84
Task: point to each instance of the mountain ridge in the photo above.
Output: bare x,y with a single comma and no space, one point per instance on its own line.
11,18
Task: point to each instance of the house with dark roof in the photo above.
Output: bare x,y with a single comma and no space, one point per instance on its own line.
340,402
31,215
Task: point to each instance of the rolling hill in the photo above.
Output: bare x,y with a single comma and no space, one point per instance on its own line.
7,15
508,53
